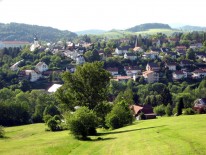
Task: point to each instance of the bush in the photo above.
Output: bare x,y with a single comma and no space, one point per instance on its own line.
188,111
118,117
159,110
168,110
2,132
82,123
54,123
46,118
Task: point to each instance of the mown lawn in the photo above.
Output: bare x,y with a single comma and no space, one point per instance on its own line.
183,135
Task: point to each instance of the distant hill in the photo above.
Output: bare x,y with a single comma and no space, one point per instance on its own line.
147,26
25,32
192,28
92,31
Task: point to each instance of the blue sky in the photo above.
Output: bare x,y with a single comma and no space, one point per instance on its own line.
77,15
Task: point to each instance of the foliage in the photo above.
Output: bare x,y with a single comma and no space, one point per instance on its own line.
119,117
25,32
82,123
188,111
54,123
160,110
2,132
88,86
168,110
179,106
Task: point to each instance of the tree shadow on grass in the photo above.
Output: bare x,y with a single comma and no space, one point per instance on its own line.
97,139
116,132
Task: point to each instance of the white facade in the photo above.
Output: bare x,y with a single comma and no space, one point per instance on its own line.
151,76
179,75
80,60
41,67
33,75
7,44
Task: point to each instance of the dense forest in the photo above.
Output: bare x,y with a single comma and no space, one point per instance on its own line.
144,27
25,32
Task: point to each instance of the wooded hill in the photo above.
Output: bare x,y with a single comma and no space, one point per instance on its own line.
25,32
147,26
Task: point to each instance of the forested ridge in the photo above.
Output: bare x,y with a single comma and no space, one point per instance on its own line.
25,32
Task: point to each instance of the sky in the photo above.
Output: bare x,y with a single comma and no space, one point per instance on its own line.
77,15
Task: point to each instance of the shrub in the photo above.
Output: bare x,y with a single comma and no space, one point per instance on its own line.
46,118
188,111
82,123
168,110
54,123
118,117
160,110
1,131
142,116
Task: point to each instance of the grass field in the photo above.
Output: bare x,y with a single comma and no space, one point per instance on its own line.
168,32
183,135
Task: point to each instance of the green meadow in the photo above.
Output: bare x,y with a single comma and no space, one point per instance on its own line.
183,135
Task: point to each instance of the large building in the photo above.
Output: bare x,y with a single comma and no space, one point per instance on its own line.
7,44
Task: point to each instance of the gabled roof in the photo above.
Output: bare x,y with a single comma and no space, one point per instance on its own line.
112,69
186,62
131,68
130,54
178,72
54,88
152,64
171,64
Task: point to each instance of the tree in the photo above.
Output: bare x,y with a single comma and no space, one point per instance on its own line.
160,110
1,131
179,106
168,110
119,116
88,86
82,123
190,54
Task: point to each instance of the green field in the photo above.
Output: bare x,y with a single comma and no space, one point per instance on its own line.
183,135
168,32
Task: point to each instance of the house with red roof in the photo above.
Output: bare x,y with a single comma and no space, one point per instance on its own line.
146,109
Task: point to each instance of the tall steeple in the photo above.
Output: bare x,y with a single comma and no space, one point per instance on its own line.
136,42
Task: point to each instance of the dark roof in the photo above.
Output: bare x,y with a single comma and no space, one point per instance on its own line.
171,53
186,62
165,49
178,72
114,69
171,64
124,48
152,64
131,68
130,54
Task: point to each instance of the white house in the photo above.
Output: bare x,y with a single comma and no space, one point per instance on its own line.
138,50
33,76
150,55
171,66
121,50
151,76
15,66
132,70
152,67
41,67
177,75
7,44
199,73
130,56
80,60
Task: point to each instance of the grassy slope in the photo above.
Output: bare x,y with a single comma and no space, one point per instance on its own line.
168,32
182,135
121,34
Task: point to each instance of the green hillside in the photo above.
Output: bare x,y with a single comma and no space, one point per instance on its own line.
147,26
25,32
168,32
181,135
